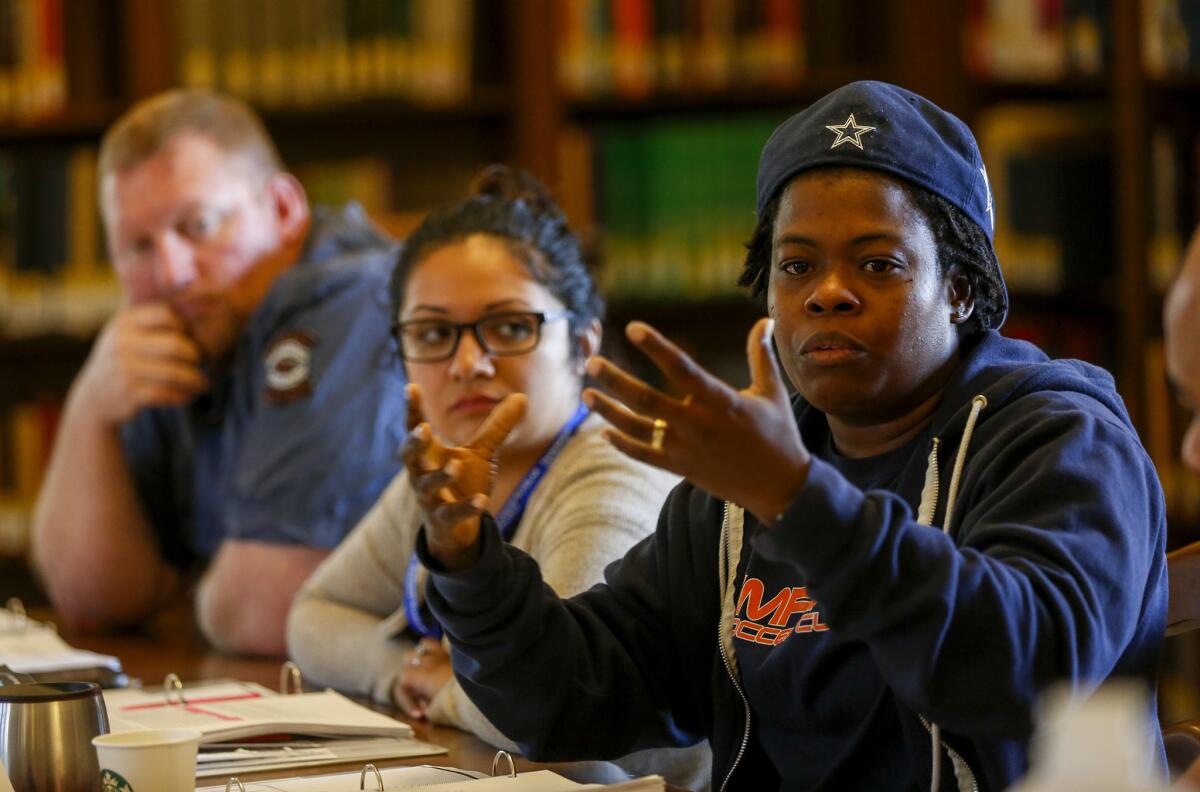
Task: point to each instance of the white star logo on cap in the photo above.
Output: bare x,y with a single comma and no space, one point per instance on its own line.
853,136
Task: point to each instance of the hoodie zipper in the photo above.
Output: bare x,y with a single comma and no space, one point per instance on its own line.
933,484
978,403
725,657
956,758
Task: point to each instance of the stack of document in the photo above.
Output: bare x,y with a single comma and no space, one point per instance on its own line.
245,726
31,647
438,779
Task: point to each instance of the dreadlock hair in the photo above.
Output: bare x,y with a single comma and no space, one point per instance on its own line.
513,206
961,246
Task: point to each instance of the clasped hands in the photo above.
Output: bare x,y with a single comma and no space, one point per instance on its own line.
738,445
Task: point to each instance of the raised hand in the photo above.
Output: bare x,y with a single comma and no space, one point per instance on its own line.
454,484
743,446
142,358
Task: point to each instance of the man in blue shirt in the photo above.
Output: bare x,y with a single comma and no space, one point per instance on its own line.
243,408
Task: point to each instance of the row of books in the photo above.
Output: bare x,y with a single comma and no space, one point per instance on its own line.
281,53
1038,39
26,437
674,204
674,199
33,75
1050,168
1051,174
1170,37
1175,198
631,48
1166,423
53,275
671,199
1052,39
54,53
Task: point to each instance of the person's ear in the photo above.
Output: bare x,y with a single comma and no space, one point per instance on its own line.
589,343
961,296
290,206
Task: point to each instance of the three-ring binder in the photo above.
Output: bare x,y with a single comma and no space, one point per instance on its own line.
290,681
512,767
173,684
234,784
362,778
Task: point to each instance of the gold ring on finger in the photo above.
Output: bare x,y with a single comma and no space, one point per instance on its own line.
659,433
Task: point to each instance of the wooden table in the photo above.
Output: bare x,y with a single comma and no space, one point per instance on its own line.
172,644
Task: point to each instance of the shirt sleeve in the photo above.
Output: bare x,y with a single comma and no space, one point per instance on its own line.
596,675
313,458
601,504
346,626
1053,569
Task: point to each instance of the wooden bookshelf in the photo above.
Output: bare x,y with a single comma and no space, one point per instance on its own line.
518,110
83,123
730,99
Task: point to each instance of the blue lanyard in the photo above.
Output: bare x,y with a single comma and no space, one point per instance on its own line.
419,618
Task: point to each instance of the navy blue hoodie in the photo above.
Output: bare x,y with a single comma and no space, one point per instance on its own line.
819,653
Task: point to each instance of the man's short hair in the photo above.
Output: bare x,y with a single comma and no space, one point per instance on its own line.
153,124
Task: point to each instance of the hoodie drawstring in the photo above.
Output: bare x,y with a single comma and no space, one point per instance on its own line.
960,460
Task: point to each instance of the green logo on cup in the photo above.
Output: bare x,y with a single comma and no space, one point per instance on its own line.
112,782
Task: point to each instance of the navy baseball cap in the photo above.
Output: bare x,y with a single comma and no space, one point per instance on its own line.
883,127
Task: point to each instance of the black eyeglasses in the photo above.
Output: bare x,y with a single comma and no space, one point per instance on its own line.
435,340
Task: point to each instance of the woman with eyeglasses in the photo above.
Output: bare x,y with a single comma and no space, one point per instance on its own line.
491,297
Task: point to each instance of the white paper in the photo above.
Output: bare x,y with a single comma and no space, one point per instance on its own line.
29,647
244,760
393,778
535,781
231,711
5,783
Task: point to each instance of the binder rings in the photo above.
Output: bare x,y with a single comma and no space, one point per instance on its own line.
436,779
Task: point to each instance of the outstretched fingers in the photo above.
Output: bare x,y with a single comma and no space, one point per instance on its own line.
635,394
415,415
499,424
677,366
416,449
617,414
432,487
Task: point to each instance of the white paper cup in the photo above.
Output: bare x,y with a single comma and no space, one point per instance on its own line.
155,760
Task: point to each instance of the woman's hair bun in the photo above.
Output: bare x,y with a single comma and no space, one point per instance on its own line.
505,183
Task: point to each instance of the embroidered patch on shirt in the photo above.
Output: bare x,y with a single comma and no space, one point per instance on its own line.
288,366
770,621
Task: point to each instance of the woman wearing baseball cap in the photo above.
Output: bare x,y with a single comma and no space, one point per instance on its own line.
865,585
